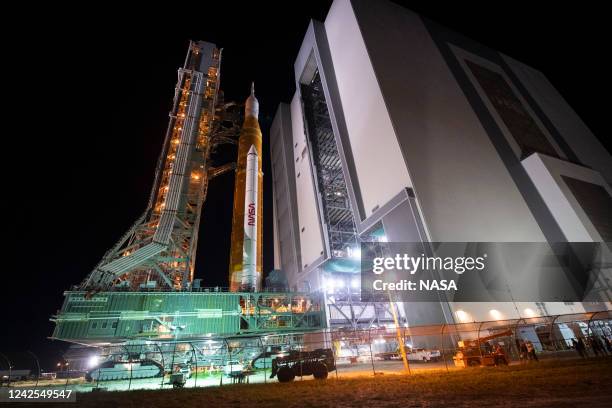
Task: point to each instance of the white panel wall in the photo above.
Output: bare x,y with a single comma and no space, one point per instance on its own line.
465,312
546,174
580,139
462,186
380,167
277,254
311,242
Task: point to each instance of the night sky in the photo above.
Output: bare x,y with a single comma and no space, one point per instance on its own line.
89,93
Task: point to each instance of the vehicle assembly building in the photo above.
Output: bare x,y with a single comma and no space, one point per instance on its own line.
401,130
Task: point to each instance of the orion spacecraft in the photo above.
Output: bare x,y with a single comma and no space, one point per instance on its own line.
246,254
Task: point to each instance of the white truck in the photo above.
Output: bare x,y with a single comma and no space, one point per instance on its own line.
419,354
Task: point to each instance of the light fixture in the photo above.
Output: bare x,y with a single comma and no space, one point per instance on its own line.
462,316
93,361
354,252
529,312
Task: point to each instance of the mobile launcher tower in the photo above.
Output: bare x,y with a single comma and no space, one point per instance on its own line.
144,287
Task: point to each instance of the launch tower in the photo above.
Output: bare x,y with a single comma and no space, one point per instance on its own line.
143,288
159,250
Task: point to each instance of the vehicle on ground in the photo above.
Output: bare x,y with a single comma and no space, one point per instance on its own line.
420,354
264,360
233,368
317,363
479,352
124,370
184,369
178,379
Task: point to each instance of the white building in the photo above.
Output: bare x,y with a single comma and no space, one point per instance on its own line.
403,130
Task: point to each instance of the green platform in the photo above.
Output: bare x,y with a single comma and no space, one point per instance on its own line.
111,317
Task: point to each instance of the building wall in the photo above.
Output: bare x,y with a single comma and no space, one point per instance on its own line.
464,190
277,249
309,222
587,148
381,171
547,174
286,237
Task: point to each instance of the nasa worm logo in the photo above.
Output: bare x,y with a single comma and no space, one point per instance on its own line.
251,214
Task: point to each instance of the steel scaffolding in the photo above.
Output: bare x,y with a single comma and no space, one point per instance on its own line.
159,250
337,211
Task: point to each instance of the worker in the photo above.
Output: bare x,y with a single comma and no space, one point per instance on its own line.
583,344
531,352
523,350
595,345
580,347
499,357
608,344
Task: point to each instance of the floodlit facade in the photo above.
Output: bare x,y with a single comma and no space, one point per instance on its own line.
401,130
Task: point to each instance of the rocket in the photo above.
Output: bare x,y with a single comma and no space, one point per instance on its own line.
245,272
249,263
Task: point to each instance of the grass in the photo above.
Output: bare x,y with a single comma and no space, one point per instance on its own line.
545,384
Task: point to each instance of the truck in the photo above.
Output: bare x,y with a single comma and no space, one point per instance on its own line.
412,354
419,354
9,376
479,352
317,363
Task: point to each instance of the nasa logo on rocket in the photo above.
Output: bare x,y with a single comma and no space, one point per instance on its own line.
251,214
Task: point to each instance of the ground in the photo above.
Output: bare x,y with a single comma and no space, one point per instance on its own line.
546,384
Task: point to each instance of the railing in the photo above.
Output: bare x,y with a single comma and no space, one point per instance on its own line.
356,352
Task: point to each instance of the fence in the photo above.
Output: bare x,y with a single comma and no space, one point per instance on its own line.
355,352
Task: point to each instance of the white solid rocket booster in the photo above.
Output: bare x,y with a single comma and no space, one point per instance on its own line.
249,272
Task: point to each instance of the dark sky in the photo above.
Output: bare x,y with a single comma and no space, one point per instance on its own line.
90,90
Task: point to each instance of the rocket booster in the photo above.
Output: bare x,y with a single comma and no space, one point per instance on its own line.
245,271
249,265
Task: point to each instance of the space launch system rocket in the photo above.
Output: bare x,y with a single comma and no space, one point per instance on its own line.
247,222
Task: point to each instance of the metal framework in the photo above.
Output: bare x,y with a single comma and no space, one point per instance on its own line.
346,310
159,250
111,317
335,203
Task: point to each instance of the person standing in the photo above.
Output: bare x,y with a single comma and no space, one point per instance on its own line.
576,347
583,351
531,351
608,344
594,343
500,356
523,349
